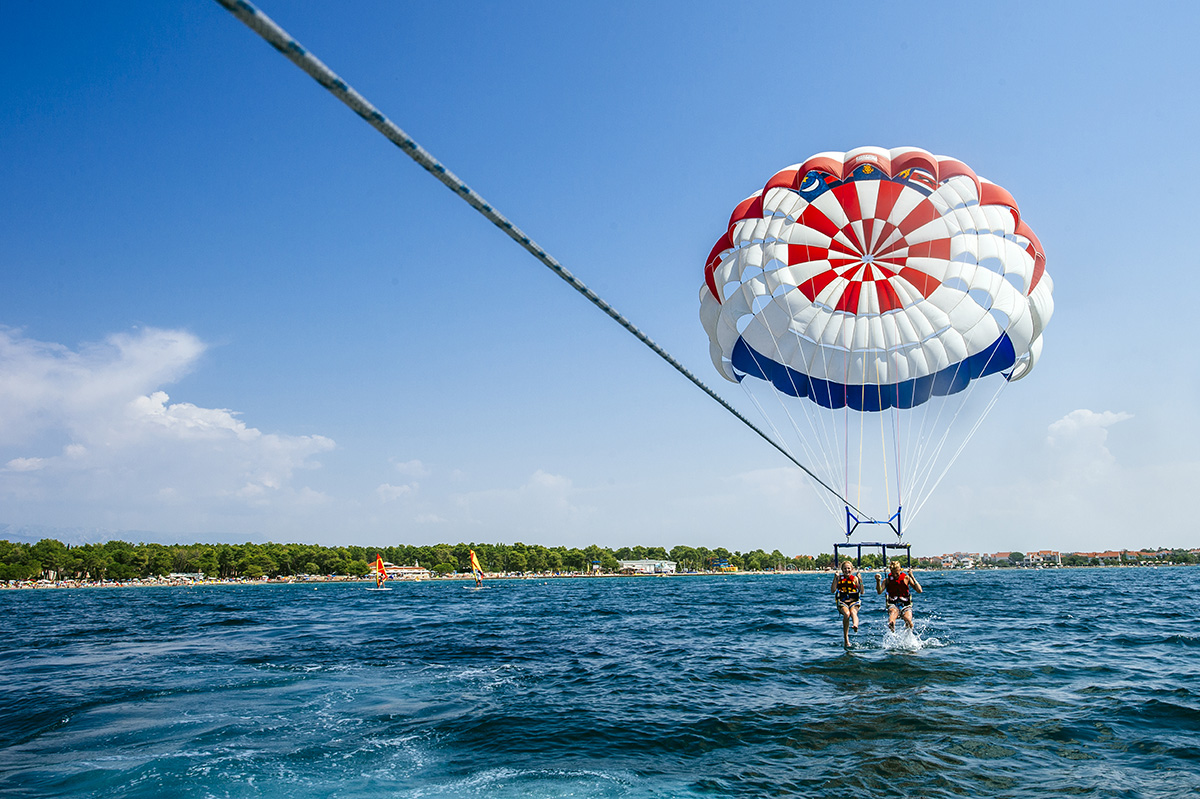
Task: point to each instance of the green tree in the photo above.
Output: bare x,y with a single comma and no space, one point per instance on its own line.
574,559
686,558
159,560
51,555
538,558
593,554
516,561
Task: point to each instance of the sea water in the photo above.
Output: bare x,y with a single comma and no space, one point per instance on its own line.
1014,683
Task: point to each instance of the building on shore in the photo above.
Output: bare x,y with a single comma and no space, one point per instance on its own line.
1111,556
414,572
1044,557
647,566
195,577
960,560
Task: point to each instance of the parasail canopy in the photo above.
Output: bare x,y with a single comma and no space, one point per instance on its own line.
876,280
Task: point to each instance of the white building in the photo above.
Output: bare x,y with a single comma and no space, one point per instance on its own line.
1044,557
648,566
414,572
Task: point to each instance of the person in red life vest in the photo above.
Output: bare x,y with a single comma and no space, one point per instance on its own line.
899,598
847,589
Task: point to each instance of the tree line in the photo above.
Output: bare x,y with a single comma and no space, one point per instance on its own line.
121,560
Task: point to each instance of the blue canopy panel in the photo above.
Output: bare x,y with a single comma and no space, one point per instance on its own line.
999,356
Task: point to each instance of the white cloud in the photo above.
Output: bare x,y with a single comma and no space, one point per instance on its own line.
552,484
1083,422
389,493
1078,492
130,453
25,464
45,385
1079,444
413,468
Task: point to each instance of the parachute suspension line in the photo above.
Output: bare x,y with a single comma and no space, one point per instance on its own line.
962,445
936,444
862,419
823,496
930,421
824,429
827,419
914,436
975,427
896,450
965,397
282,41
781,436
810,455
846,446
931,445
883,460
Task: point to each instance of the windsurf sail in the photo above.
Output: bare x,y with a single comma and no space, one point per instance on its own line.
380,572
476,569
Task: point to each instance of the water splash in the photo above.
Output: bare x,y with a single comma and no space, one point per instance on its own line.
905,639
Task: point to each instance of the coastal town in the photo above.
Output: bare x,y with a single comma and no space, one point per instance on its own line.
1049,558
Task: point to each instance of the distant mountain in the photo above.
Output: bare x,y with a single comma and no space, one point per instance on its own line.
73,536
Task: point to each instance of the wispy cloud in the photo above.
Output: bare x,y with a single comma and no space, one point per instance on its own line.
413,468
94,426
390,493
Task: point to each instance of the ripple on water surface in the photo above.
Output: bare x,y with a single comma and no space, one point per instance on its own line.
690,686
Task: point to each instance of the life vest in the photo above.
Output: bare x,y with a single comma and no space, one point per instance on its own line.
897,587
847,587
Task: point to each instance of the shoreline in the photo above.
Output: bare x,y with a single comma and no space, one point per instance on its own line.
166,582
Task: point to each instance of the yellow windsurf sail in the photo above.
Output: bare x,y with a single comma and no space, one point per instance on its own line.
476,569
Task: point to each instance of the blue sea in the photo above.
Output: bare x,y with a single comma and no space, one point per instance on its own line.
1080,682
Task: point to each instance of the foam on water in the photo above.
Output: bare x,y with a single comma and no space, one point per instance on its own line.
902,640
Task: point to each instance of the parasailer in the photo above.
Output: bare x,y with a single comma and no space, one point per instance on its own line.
899,586
847,589
868,295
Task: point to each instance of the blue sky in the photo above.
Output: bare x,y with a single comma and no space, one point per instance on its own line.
229,307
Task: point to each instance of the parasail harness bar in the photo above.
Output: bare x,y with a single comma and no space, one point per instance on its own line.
893,521
883,548
282,41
